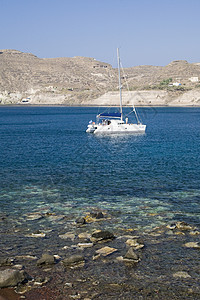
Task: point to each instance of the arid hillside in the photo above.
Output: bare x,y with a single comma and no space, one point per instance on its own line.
27,79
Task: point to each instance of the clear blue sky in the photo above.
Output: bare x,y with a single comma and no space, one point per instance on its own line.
148,32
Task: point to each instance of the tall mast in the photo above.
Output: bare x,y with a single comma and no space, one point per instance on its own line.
120,86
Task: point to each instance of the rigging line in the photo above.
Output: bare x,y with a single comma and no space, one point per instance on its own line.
134,110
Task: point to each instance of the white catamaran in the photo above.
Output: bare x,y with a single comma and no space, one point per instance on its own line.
108,123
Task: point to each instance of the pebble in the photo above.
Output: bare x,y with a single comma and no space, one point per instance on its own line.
105,251
183,226
96,256
194,232
127,237
22,289
41,281
19,267
77,296
131,255
134,244
67,235
55,218
170,232
39,234
85,245
180,226
192,245
179,233
6,261
69,284
34,216
57,257
171,226
26,257
73,260
181,274
46,259
98,236
66,247
80,221
84,235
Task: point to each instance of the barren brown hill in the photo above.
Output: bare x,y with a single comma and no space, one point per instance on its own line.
25,78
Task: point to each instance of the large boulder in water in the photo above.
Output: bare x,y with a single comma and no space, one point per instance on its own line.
10,277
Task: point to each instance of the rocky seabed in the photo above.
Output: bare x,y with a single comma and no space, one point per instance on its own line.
91,257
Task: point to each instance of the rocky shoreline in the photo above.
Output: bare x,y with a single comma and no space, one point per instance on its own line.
93,258
28,79
143,98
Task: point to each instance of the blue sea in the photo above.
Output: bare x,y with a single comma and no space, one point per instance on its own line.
48,161
52,172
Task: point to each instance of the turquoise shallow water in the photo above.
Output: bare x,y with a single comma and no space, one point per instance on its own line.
48,162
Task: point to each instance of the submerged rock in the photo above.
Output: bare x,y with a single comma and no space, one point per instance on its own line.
134,243
3,217
194,232
73,260
131,255
105,251
19,267
171,226
84,236
99,236
22,289
80,221
34,216
179,233
46,259
192,245
37,233
181,274
183,226
6,261
97,215
85,245
91,217
69,284
28,257
180,225
67,235
10,277
41,280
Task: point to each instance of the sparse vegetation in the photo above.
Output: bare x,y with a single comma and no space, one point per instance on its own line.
166,82
76,78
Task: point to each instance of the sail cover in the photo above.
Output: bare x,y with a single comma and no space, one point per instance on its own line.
110,115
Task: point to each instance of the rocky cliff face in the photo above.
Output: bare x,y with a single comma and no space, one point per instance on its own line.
27,79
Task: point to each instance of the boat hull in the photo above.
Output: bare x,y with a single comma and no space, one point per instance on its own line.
115,128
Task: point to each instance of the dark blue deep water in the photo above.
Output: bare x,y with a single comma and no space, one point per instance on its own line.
47,161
